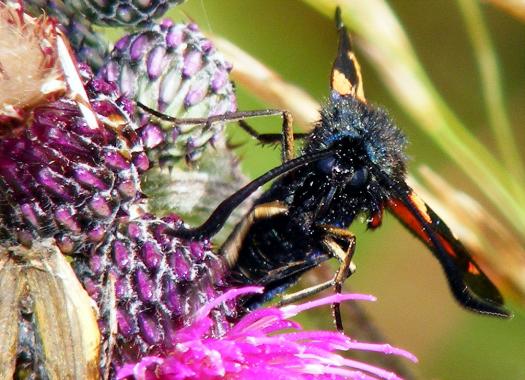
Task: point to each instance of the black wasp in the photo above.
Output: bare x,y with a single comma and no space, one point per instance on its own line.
353,163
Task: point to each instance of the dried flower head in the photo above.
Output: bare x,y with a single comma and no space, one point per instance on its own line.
33,42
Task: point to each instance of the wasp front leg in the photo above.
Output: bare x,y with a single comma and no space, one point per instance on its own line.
340,243
286,138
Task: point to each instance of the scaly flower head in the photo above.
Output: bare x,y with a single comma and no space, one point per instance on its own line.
264,343
33,42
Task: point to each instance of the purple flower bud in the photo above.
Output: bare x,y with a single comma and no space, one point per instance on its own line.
156,62
134,231
64,216
53,184
148,328
180,266
152,136
95,263
125,324
139,47
144,286
96,234
172,297
121,288
150,255
87,178
196,94
174,37
115,161
122,43
192,63
100,206
127,188
141,162
121,255
29,214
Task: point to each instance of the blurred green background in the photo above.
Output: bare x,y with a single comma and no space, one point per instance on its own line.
415,309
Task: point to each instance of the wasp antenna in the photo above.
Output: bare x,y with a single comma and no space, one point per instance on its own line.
346,79
219,216
338,20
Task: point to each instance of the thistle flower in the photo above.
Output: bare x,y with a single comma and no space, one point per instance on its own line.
122,12
147,284
174,69
261,344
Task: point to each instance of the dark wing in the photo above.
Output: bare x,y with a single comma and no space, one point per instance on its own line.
346,72
471,287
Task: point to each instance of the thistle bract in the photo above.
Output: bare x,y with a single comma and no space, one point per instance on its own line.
174,69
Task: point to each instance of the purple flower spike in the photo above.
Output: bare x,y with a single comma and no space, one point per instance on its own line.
247,351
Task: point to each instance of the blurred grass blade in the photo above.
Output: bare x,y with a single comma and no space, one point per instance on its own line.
268,85
388,47
491,86
514,7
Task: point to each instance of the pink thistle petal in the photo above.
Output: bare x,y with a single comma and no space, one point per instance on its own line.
229,295
248,351
293,310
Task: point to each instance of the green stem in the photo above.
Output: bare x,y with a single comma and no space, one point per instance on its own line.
491,86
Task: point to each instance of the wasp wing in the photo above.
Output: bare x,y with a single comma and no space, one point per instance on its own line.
346,77
470,286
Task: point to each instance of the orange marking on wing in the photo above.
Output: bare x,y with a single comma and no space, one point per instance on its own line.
446,245
473,269
358,90
406,216
403,213
341,84
420,205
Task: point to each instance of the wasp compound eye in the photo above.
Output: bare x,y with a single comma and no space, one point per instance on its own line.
359,178
327,165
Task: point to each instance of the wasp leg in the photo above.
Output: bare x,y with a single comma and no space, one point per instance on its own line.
332,244
302,294
210,120
231,247
334,236
286,138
